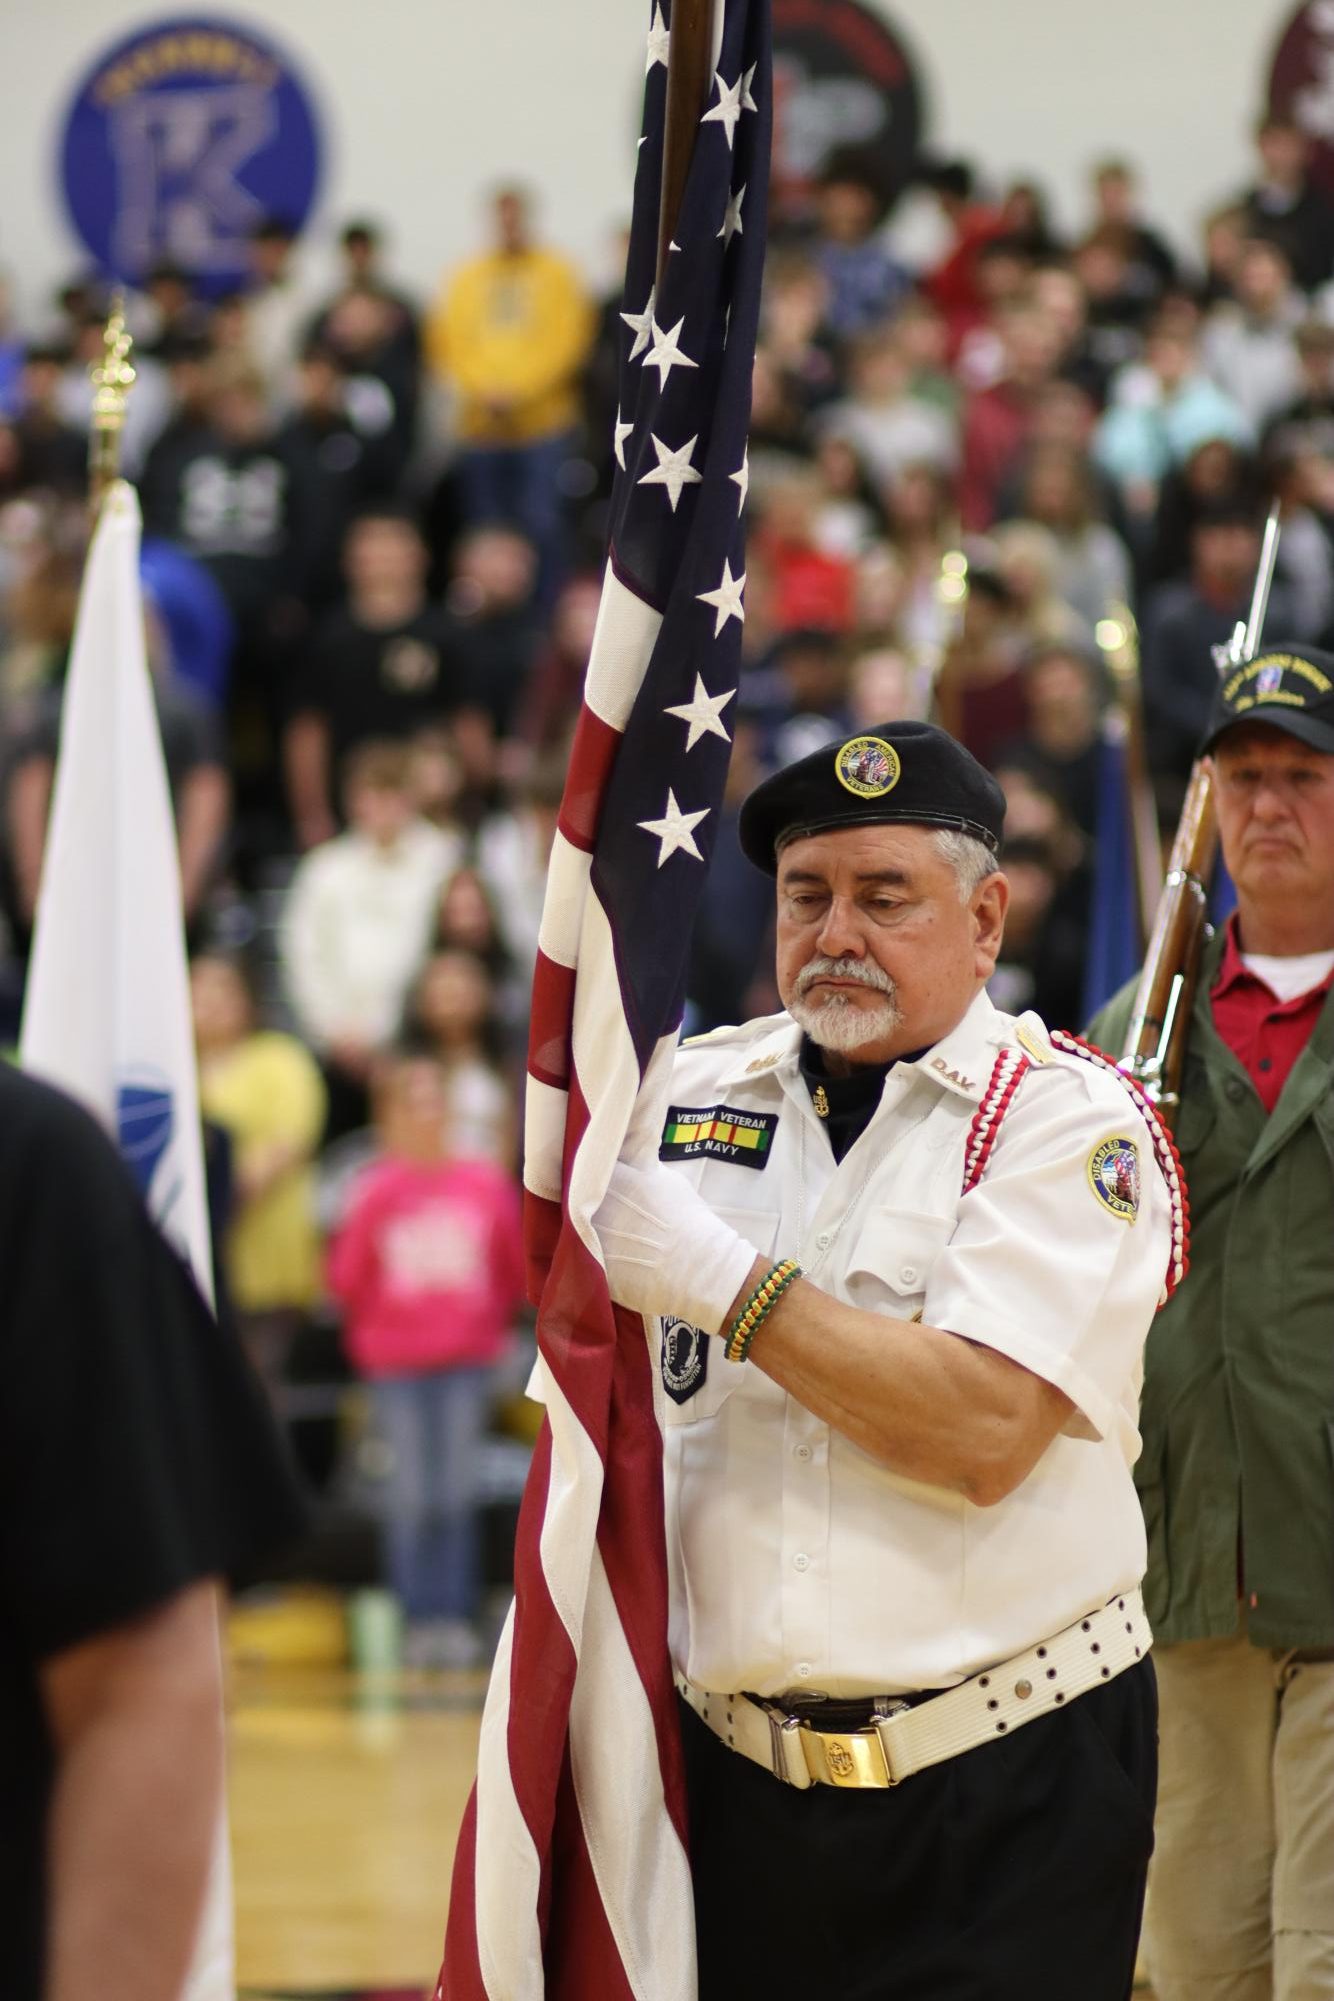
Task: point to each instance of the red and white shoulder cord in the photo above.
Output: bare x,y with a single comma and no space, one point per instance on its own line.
1008,1074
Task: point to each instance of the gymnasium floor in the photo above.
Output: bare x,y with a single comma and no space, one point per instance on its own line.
345,1794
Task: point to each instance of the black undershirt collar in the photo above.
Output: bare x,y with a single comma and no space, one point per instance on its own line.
845,1105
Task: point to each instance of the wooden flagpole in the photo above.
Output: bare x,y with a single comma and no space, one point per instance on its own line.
689,57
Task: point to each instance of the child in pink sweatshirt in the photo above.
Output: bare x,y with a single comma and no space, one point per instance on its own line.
427,1265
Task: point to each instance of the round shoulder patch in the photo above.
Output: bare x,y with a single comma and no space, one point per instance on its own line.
1113,1172
868,766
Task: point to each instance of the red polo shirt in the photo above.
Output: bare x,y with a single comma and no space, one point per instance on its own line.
1265,1034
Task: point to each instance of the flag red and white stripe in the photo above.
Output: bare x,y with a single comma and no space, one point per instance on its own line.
572,1876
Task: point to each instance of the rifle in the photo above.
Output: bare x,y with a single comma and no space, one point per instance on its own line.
1155,1045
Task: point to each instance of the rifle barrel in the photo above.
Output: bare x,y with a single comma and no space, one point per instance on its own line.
1264,583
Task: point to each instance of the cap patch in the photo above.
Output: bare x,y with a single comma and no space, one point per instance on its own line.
867,766
1284,678
1113,1172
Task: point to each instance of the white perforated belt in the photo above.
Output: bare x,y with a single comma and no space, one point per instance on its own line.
909,1737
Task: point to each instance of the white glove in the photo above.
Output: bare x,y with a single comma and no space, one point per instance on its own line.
665,1249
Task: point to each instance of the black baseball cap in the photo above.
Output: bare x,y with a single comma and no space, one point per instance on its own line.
897,772
1288,686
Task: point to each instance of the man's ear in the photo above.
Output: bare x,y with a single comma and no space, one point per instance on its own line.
990,901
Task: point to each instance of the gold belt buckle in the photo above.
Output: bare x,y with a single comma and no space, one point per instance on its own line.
845,1758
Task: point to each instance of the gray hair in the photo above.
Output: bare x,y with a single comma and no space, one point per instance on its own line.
971,859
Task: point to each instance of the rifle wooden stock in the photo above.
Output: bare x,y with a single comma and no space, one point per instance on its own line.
1156,1043
688,56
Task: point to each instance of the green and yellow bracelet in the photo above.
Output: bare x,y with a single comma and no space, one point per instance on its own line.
757,1308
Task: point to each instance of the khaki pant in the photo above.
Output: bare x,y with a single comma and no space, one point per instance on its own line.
1241,1891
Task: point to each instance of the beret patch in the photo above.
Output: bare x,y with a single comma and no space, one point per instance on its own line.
867,766
908,773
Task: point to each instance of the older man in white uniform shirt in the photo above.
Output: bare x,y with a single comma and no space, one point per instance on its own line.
905,1547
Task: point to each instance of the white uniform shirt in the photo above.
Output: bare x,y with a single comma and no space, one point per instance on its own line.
798,1562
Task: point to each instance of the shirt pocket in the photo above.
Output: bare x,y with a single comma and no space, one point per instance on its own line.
697,1378
890,1266
1197,1114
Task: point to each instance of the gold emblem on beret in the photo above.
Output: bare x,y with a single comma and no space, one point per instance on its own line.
867,766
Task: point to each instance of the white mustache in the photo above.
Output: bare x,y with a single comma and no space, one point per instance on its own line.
863,972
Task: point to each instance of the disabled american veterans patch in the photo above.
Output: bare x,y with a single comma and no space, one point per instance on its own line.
685,1358
1113,1172
868,766
718,1132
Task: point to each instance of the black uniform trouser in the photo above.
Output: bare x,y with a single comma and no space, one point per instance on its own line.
1014,1872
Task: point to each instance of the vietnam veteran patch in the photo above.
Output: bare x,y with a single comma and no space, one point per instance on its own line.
1113,1171
718,1132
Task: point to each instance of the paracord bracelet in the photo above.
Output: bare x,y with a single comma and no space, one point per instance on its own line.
742,1321
761,1303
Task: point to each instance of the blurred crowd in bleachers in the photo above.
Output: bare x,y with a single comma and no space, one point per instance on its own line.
373,535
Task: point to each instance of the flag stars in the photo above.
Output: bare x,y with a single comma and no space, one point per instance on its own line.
619,435
675,830
726,600
674,469
741,478
640,324
659,42
733,99
732,225
666,353
703,713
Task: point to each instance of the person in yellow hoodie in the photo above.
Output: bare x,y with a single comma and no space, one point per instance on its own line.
509,335
264,1088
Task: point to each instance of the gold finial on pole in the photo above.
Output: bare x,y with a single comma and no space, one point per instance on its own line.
112,377
951,596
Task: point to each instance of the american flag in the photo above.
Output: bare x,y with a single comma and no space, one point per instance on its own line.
572,1878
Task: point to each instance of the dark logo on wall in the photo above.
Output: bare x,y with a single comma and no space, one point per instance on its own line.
844,82
179,142
1301,82
685,1359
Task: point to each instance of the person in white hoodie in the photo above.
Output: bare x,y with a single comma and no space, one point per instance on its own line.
358,921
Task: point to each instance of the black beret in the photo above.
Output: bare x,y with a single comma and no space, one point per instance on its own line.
896,772
1288,686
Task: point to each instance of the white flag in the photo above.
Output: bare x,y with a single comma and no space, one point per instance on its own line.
106,1015
107,1011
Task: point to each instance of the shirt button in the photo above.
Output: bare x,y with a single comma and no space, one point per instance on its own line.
908,1274
823,1241
801,1452
1236,1090
804,1670
801,1563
